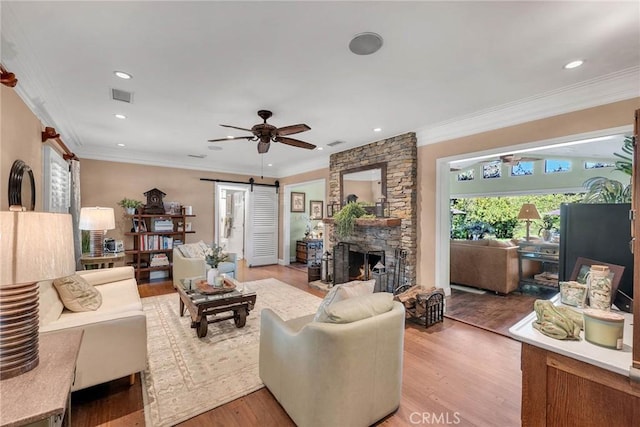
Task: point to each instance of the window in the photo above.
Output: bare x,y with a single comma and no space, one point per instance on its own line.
492,170
468,175
557,166
57,182
598,165
522,169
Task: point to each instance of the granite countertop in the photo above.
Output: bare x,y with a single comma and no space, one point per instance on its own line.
618,361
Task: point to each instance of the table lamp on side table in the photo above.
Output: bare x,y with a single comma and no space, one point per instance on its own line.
34,246
96,220
528,211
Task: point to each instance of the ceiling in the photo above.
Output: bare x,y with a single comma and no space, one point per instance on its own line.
196,65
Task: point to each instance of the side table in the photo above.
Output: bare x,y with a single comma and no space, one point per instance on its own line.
104,261
43,393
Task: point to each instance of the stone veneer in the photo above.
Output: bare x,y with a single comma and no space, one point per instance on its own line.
400,154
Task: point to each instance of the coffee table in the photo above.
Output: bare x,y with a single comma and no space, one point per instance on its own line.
204,308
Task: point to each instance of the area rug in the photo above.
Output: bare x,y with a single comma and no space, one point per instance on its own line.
495,313
186,375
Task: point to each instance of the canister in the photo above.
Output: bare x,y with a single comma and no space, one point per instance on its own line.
603,328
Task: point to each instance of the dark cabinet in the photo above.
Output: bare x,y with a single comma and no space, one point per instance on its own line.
309,251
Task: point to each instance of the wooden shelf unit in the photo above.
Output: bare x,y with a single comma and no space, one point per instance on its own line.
142,245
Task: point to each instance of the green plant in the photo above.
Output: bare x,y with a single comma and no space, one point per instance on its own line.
504,229
129,203
626,164
214,255
548,223
345,219
605,190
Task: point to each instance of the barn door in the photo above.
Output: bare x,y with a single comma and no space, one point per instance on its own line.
262,226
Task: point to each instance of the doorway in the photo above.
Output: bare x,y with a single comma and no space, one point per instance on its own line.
231,218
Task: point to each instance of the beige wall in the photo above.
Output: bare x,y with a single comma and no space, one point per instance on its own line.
20,138
589,120
105,183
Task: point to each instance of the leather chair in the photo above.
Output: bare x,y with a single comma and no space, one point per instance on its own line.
334,374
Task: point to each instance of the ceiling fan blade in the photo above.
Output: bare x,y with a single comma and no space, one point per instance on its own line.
231,139
236,127
295,143
290,130
529,159
263,147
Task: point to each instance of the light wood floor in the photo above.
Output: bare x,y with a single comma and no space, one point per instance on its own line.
453,374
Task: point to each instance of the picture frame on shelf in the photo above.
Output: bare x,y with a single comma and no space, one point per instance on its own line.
583,265
297,202
315,209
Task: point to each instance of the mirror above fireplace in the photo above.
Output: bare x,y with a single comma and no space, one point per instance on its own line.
368,183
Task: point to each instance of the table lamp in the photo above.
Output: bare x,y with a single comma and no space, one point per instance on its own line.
35,246
528,212
96,220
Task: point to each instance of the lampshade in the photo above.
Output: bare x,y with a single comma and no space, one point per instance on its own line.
34,246
97,219
528,211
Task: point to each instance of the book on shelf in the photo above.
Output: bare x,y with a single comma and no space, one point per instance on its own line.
159,260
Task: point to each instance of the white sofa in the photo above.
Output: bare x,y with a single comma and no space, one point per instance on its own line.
114,344
334,374
184,267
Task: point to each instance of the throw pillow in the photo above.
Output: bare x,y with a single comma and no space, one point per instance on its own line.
341,292
358,308
193,250
77,294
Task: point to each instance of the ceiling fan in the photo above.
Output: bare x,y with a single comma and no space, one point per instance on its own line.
266,133
513,159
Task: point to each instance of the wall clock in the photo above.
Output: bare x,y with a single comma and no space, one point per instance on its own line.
154,202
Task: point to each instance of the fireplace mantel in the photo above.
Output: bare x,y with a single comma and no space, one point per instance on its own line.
371,222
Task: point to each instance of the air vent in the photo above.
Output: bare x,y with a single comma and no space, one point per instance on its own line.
197,156
334,143
121,95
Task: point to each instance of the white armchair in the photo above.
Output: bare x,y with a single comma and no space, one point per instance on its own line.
184,267
334,374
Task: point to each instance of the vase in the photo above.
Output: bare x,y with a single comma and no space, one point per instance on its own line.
599,284
546,235
131,211
211,276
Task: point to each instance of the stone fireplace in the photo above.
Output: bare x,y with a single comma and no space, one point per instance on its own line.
381,237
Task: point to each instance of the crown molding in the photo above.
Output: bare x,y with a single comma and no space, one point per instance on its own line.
618,86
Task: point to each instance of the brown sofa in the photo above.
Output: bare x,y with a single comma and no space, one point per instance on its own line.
487,264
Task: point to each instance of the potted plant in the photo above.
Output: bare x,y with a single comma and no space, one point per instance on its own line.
547,228
345,219
130,205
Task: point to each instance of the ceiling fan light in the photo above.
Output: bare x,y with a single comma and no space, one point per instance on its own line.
365,43
231,137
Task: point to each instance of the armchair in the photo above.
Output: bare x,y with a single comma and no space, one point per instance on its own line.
184,267
330,374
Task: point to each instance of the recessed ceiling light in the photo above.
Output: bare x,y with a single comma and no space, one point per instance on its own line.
377,129
319,148
270,164
120,144
574,64
231,137
365,43
120,116
123,75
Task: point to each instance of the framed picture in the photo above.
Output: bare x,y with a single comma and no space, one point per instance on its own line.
139,225
583,265
315,209
297,202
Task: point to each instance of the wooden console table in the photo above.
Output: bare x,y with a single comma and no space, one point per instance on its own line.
43,393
